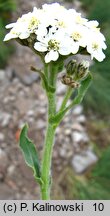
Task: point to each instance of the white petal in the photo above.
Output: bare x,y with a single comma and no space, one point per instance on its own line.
10,36
11,25
51,56
92,24
24,35
41,31
75,48
64,50
104,46
89,48
40,47
42,39
35,10
99,56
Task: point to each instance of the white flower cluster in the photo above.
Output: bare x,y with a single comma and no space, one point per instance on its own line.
59,31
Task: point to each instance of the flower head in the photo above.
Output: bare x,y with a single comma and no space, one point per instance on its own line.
58,31
95,46
53,44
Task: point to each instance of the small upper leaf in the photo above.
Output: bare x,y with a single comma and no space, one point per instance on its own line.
83,89
56,119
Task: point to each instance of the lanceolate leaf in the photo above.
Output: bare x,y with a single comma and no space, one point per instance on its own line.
30,153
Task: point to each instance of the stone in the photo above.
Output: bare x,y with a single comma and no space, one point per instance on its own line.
2,154
2,75
30,113
77,127
3,160
17,82
10,74
81,162
30,119
55,154
67,132
59,102
40,124
77,110
42,110
21,63
12,98
3,145
6,117
79,137
66,153
61,88
29,79
2,136
11,170
81,119
1,176
62,152
6,100
23,104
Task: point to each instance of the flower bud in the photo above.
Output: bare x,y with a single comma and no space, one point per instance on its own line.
70,67
74,84
82,69
67,80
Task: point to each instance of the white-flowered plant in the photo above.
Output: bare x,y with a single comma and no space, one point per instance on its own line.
59,31
55,33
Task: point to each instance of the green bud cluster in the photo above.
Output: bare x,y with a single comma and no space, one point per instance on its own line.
69,81
82,70
71,67
75,73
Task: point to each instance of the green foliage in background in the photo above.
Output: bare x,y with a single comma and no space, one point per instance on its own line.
95,184
6,8
98,96
98,187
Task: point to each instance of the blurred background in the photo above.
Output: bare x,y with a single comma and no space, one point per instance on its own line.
81,157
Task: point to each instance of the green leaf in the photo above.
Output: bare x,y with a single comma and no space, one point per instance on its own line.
30,153
83,89
78,99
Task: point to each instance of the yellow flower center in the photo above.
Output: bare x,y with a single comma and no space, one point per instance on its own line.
34,22
53,45
61,24
76,36
95,46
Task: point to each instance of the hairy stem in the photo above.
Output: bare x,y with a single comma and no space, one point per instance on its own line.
46,163
49,138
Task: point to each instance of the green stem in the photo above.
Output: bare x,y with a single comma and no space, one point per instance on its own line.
66,98
46,70
49,139
46,163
